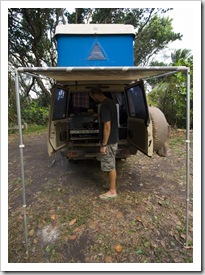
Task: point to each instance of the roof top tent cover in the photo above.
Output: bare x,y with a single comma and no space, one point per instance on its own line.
95,45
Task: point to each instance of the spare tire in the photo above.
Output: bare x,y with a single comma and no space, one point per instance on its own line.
160,129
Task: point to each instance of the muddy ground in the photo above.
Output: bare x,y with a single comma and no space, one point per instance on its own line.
68,223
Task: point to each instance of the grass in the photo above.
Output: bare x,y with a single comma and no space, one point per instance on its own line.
32,128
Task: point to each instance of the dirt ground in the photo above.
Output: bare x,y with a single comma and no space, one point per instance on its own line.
68,223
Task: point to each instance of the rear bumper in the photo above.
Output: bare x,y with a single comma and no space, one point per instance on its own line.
80,152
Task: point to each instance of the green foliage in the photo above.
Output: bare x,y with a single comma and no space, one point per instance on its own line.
33,113
155,35
12,116
32,110
34,128
169,93
80,16
31,37
108,16
152,29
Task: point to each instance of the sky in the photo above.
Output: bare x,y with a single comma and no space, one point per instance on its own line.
182,23
185,27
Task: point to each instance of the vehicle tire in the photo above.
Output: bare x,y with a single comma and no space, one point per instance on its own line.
161,131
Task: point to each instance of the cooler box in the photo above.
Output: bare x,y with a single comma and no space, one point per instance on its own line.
95,45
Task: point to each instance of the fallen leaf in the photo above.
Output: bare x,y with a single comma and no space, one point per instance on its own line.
132,231
53,216
79,229
118,248
108,259
154,245
72,237
171,233
48,248
140,251
139,220
183,236
35,241
119,215
72,221
188,247
163,243
31,233
161,198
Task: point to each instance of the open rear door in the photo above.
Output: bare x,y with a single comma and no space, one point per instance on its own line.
58,121
139,123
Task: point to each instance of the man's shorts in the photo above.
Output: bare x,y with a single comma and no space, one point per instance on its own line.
108,160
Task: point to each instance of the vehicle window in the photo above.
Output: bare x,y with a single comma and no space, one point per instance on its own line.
119,98
60,104
136,102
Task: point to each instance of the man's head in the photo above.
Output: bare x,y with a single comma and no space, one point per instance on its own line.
97,95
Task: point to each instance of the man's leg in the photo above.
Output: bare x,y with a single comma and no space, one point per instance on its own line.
112,181
108,164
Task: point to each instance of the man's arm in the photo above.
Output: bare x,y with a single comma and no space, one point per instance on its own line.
106,134
106,131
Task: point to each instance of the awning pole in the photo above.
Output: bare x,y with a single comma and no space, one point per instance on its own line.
187,153
21,146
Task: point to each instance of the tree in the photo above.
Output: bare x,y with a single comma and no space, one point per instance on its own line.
12,117
169,94
31,41
155,35
80,16
152,29
32,36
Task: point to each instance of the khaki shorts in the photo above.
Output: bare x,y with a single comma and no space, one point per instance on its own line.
108,160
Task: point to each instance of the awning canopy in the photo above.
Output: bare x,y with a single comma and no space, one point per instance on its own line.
108,78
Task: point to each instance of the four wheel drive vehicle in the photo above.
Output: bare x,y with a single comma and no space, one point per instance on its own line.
75,132
102,56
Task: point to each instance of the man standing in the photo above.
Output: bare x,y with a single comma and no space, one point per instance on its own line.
108,139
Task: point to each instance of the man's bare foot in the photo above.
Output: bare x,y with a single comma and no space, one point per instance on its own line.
108,195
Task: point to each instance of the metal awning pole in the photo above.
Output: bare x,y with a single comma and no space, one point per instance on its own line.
187,153
21,146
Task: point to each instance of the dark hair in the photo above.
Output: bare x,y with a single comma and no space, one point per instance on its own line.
96,91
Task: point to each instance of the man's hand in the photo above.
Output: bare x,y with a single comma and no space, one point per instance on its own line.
103,150
95,116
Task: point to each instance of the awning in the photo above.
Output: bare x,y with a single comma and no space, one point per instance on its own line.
109,78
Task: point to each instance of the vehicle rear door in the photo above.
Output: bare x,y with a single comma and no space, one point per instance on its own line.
139,124
58,120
